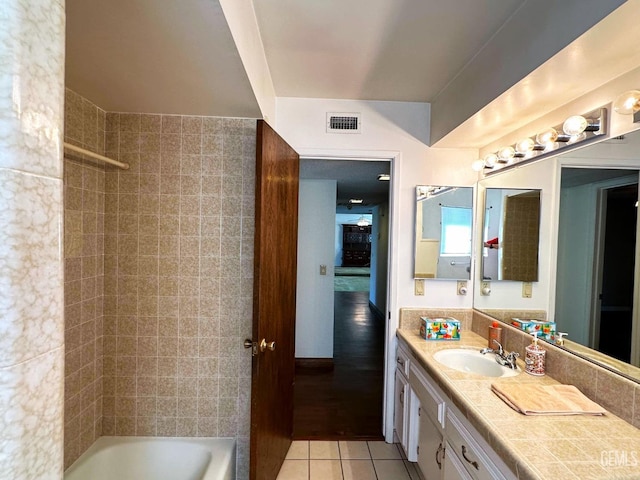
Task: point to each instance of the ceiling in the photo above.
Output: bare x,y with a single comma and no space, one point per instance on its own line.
400,50
156,56
180,57
355,179
163,56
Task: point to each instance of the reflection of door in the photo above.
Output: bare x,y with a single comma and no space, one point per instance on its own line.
520,234
276,231
616,276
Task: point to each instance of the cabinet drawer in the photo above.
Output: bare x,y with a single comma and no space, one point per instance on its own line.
470,453
432,400
403,360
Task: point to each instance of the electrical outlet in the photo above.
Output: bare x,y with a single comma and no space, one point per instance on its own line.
419,287
462,287
527,289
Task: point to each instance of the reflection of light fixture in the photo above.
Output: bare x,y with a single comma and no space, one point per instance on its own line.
574,131
627,103
384,177
363,222
355,201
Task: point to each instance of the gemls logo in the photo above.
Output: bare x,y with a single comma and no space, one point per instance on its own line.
618,458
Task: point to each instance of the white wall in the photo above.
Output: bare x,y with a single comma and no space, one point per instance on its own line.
314,305
397,130
379,258
390,130
576,250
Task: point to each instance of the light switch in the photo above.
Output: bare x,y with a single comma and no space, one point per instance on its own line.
419,287
323,269
527,289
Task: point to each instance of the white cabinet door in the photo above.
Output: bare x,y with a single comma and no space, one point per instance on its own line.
452,466
431,449
401,408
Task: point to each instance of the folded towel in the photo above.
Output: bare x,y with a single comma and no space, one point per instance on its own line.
531,399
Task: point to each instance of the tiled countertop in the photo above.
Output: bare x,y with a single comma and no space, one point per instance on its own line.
576,447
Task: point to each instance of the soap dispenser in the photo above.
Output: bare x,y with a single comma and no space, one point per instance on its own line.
495,333
560,338
535,357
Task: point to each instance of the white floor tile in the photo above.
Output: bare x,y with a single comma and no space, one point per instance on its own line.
358,470
384,451
325,470
294,470
391,470
354,450
321,450
299,450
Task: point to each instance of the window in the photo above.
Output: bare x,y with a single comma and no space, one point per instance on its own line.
455,237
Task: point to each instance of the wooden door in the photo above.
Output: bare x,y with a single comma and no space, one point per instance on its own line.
274,302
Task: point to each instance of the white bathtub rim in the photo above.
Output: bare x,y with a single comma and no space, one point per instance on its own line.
222,449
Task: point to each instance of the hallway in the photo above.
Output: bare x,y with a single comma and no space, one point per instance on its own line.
345,403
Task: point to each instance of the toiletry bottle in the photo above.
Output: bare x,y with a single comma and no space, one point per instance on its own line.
495,333
535,357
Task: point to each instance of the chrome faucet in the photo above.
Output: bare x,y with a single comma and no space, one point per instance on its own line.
507,360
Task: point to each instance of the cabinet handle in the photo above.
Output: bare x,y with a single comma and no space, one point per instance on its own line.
438,456
402,396
464,455
400,362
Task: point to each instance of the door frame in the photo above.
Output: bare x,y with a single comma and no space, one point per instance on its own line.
598,265
392,314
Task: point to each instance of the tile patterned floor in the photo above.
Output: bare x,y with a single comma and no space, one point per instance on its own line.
344,460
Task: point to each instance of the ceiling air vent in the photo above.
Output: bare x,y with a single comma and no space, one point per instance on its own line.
343,123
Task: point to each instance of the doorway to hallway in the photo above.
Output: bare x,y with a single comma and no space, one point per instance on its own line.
339,387
345,402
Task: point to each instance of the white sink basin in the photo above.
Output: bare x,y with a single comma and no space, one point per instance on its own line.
472,361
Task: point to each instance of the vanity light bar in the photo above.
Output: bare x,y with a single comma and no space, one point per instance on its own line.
574,131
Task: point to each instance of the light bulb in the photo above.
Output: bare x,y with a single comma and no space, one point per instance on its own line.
525,145
490,160
575,125
477,165
628,103
549,135
505,154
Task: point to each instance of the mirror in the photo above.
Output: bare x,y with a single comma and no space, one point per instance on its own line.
576,187
596,259
443,230
511,231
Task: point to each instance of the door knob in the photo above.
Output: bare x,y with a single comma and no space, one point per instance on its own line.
264,345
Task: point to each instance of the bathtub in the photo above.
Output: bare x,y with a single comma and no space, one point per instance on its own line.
156,458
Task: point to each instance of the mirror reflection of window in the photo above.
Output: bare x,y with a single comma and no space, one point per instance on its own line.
455,240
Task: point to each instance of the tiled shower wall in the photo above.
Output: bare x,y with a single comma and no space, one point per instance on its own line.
178,277
83,272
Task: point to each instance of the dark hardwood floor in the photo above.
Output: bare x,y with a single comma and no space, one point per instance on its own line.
345,403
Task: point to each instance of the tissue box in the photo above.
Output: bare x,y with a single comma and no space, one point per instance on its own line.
439,328
546,330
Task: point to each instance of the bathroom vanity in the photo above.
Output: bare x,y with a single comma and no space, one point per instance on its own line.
454,427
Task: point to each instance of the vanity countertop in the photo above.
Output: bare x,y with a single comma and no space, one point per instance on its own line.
575,447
